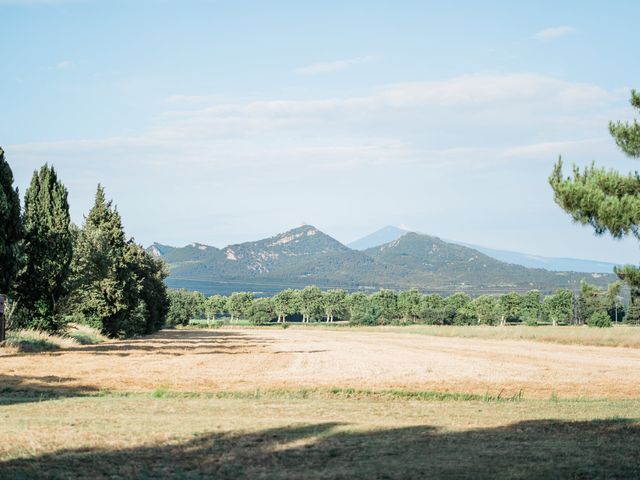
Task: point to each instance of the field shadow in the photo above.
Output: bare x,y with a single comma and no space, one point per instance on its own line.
26,389
537,449
178,342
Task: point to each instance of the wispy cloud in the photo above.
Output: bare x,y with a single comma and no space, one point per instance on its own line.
334,66
381,127
554,32
193,99
64,65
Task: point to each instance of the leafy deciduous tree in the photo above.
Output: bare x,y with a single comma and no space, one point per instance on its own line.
510,307
261,311
285,304
310,303
386,304
334,303
409,305
458,309
214,305
559,306
433,309
238,304
486,309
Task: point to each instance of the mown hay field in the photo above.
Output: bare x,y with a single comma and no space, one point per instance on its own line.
320,403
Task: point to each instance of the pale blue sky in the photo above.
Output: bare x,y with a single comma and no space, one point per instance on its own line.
226,121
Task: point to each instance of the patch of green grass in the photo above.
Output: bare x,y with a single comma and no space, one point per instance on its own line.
338,435
160,392
33,341
86,335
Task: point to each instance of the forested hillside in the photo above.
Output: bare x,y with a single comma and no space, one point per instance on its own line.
305,255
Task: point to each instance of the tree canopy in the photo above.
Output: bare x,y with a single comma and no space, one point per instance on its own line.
606,199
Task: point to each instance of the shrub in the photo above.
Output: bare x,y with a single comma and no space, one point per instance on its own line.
530,320
261,311
599,319
364,314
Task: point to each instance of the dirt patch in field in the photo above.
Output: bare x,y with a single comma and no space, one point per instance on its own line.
237,359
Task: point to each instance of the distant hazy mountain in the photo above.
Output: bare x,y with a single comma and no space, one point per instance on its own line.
548,263
390,233
384,235
305,255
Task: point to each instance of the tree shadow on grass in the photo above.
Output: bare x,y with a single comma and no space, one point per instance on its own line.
25,389
176,343
537,449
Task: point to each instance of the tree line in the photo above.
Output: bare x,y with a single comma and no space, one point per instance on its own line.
55,272
591,305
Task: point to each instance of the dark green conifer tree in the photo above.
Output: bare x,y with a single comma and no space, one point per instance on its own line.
48,248
11,231
118,287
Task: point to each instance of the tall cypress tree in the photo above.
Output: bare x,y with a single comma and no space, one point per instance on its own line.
48,248
11,231
606,199
118,287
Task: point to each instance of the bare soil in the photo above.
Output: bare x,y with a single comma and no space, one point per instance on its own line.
249,359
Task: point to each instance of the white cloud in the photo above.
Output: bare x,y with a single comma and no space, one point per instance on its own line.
193,99
334,66
435,123
482,95
64,65
554,32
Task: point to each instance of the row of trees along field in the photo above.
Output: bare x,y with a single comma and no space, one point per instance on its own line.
591,306
54,272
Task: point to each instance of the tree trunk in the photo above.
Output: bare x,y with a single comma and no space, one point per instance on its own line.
2,318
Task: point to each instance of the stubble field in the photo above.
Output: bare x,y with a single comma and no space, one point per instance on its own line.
322,403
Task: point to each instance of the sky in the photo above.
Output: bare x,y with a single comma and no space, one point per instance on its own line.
226,121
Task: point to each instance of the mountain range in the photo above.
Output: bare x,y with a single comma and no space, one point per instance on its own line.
305,255
390,233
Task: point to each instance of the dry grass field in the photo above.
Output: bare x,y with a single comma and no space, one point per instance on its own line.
322,403
268,358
